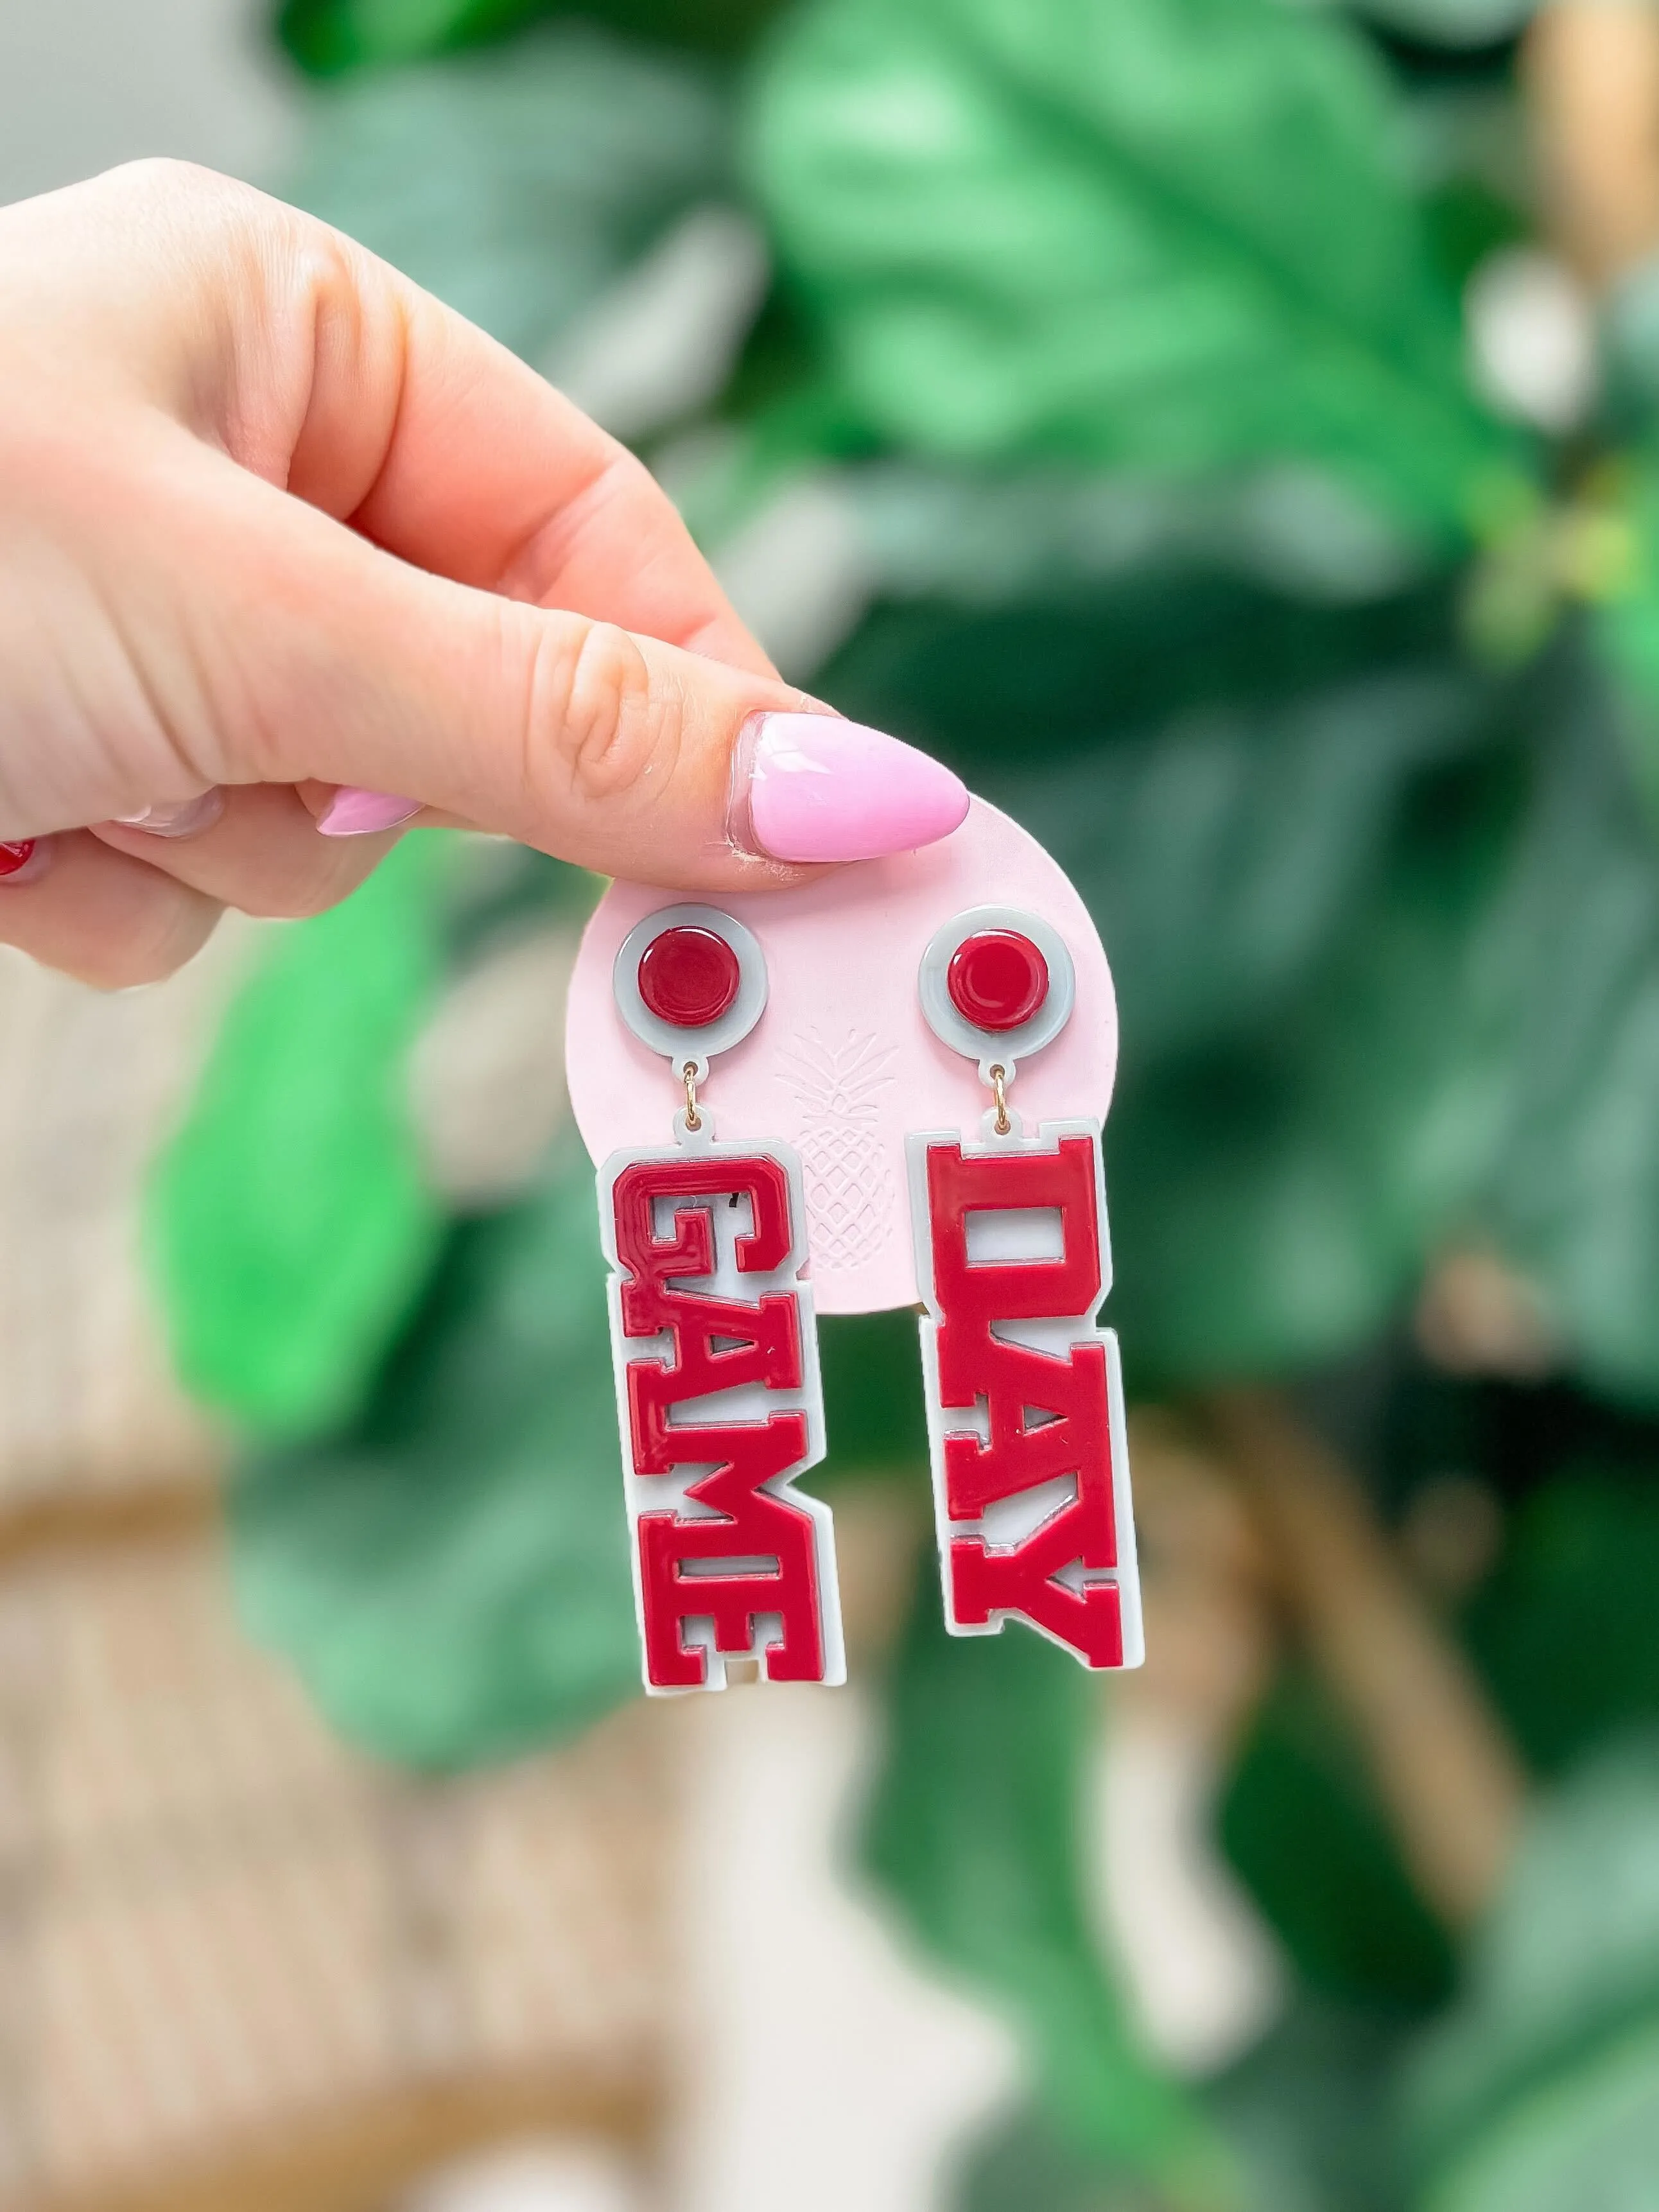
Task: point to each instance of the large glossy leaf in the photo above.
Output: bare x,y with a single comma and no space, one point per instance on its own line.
1290,872
975,1828
1305,2113
1166,233
1476,1054
1302,1826
986,538
330,36
1563,1632
1218,770
1387,951
1589,2143
1306,2110
1574,942
1223,853
872,1398
450,1572
1450,22
1625,624
1540,2092
516,183
1478,1057
1025,2165
288,1228
1273,1203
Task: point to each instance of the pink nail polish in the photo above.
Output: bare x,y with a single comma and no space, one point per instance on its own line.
815,788
185,817
354,813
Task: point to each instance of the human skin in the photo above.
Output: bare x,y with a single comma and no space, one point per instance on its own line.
275,523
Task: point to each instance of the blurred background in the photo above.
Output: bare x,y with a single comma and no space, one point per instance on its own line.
1228,430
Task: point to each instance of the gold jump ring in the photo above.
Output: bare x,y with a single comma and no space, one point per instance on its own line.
999,1092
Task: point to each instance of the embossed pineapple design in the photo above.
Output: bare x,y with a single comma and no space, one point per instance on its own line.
851,1193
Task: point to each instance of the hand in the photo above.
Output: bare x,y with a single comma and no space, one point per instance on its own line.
279,533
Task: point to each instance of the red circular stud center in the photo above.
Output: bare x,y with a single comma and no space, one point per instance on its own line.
689,976
15,853
997,980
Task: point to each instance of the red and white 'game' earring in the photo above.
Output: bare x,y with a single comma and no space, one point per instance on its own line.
715,1342
1024,1393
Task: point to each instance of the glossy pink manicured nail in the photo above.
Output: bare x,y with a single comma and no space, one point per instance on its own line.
354,813
183,818
815,788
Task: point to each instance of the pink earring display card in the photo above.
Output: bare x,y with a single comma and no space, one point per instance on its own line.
841,1065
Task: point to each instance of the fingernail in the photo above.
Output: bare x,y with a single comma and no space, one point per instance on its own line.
24,858
354,813
815,788
183,818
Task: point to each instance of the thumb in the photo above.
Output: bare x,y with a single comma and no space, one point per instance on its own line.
616,751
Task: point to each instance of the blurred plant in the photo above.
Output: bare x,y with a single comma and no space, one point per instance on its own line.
1229,431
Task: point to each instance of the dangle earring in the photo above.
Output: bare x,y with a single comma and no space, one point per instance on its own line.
845,1015
715,1341
1024,1394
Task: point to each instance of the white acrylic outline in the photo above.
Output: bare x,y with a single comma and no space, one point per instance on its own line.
750,1400
678,1044
1082,1331
996,1047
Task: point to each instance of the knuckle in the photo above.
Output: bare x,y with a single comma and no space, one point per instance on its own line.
156,945
164,175
165,180
595,725
297,897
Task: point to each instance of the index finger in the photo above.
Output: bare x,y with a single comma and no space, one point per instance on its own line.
445,449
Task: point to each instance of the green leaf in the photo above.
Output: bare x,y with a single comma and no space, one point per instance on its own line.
1474,1052
982,538
1292,870
518,183
1386,946
288,1226
974,1828
1224,854
1006,688
872,1396
1537,2092
1589,2143
1307,2112
1172,235
330,36
1023,2166
1563,1632
450,1575
1273,1202
1574,944
1450,22
1625,623
1302,1826
1219,770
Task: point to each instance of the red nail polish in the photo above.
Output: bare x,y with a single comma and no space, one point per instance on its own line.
16,854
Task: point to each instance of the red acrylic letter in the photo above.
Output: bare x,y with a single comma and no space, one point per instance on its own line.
719,1539
1023,1393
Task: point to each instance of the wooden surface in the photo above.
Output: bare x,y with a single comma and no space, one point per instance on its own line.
357,2159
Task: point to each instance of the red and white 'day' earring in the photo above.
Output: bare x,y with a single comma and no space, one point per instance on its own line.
1024,1394
715,1342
